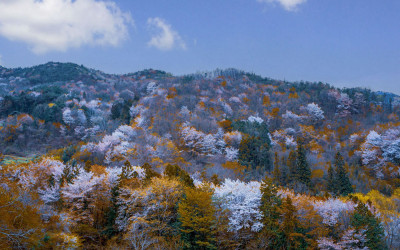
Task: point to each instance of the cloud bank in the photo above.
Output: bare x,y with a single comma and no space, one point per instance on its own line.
57,25
164,38
289,5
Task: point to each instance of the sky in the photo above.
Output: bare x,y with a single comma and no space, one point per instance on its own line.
345,43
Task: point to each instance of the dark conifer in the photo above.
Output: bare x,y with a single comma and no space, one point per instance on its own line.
363,219
291,163
343,185
331,182
302,167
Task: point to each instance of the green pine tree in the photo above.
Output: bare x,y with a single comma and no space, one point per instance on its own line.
331,182
149,173
291,163
290,230
174,171
277,176
284,173
302,167
343,185
270,208
248,152
363,219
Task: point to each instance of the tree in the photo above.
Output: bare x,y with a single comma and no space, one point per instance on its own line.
363,219
174,171
338,182
242,201
315,112
248,152
331,182
291,163
149,172
89,202
284,180
254,147
148,215
196,215
303,169
290,231
277,176
343,185
120,110
20,223
270,208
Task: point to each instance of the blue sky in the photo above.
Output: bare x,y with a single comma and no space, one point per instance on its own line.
345,43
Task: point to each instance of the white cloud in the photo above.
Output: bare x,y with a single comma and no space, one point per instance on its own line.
57,25
165,38
289,5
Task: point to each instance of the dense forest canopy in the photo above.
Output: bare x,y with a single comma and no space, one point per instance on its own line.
213,160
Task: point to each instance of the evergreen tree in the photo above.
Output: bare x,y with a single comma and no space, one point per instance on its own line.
302,167
174,171
363,219
270,208
290,230
331,182
343,185
291,163
255,145
197,217
149,172
284,172
277,176
264,160
264,146
284,176
248,152
110,228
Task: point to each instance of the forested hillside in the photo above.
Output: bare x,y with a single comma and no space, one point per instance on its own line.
212,160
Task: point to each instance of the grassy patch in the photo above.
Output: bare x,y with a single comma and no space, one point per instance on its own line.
11,159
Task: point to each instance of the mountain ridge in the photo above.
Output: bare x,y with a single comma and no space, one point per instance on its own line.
51,72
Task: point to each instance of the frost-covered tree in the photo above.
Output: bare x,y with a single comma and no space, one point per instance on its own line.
231,153
146,215
67,117
315,112
243,202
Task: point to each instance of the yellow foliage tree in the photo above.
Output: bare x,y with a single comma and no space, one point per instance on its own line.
196,214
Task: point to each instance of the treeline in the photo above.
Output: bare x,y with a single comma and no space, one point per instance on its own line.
91,206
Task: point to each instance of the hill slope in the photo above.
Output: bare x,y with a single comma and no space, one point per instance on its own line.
219,160
199,116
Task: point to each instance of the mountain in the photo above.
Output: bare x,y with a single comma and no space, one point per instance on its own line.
50,72
54,105
147,159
